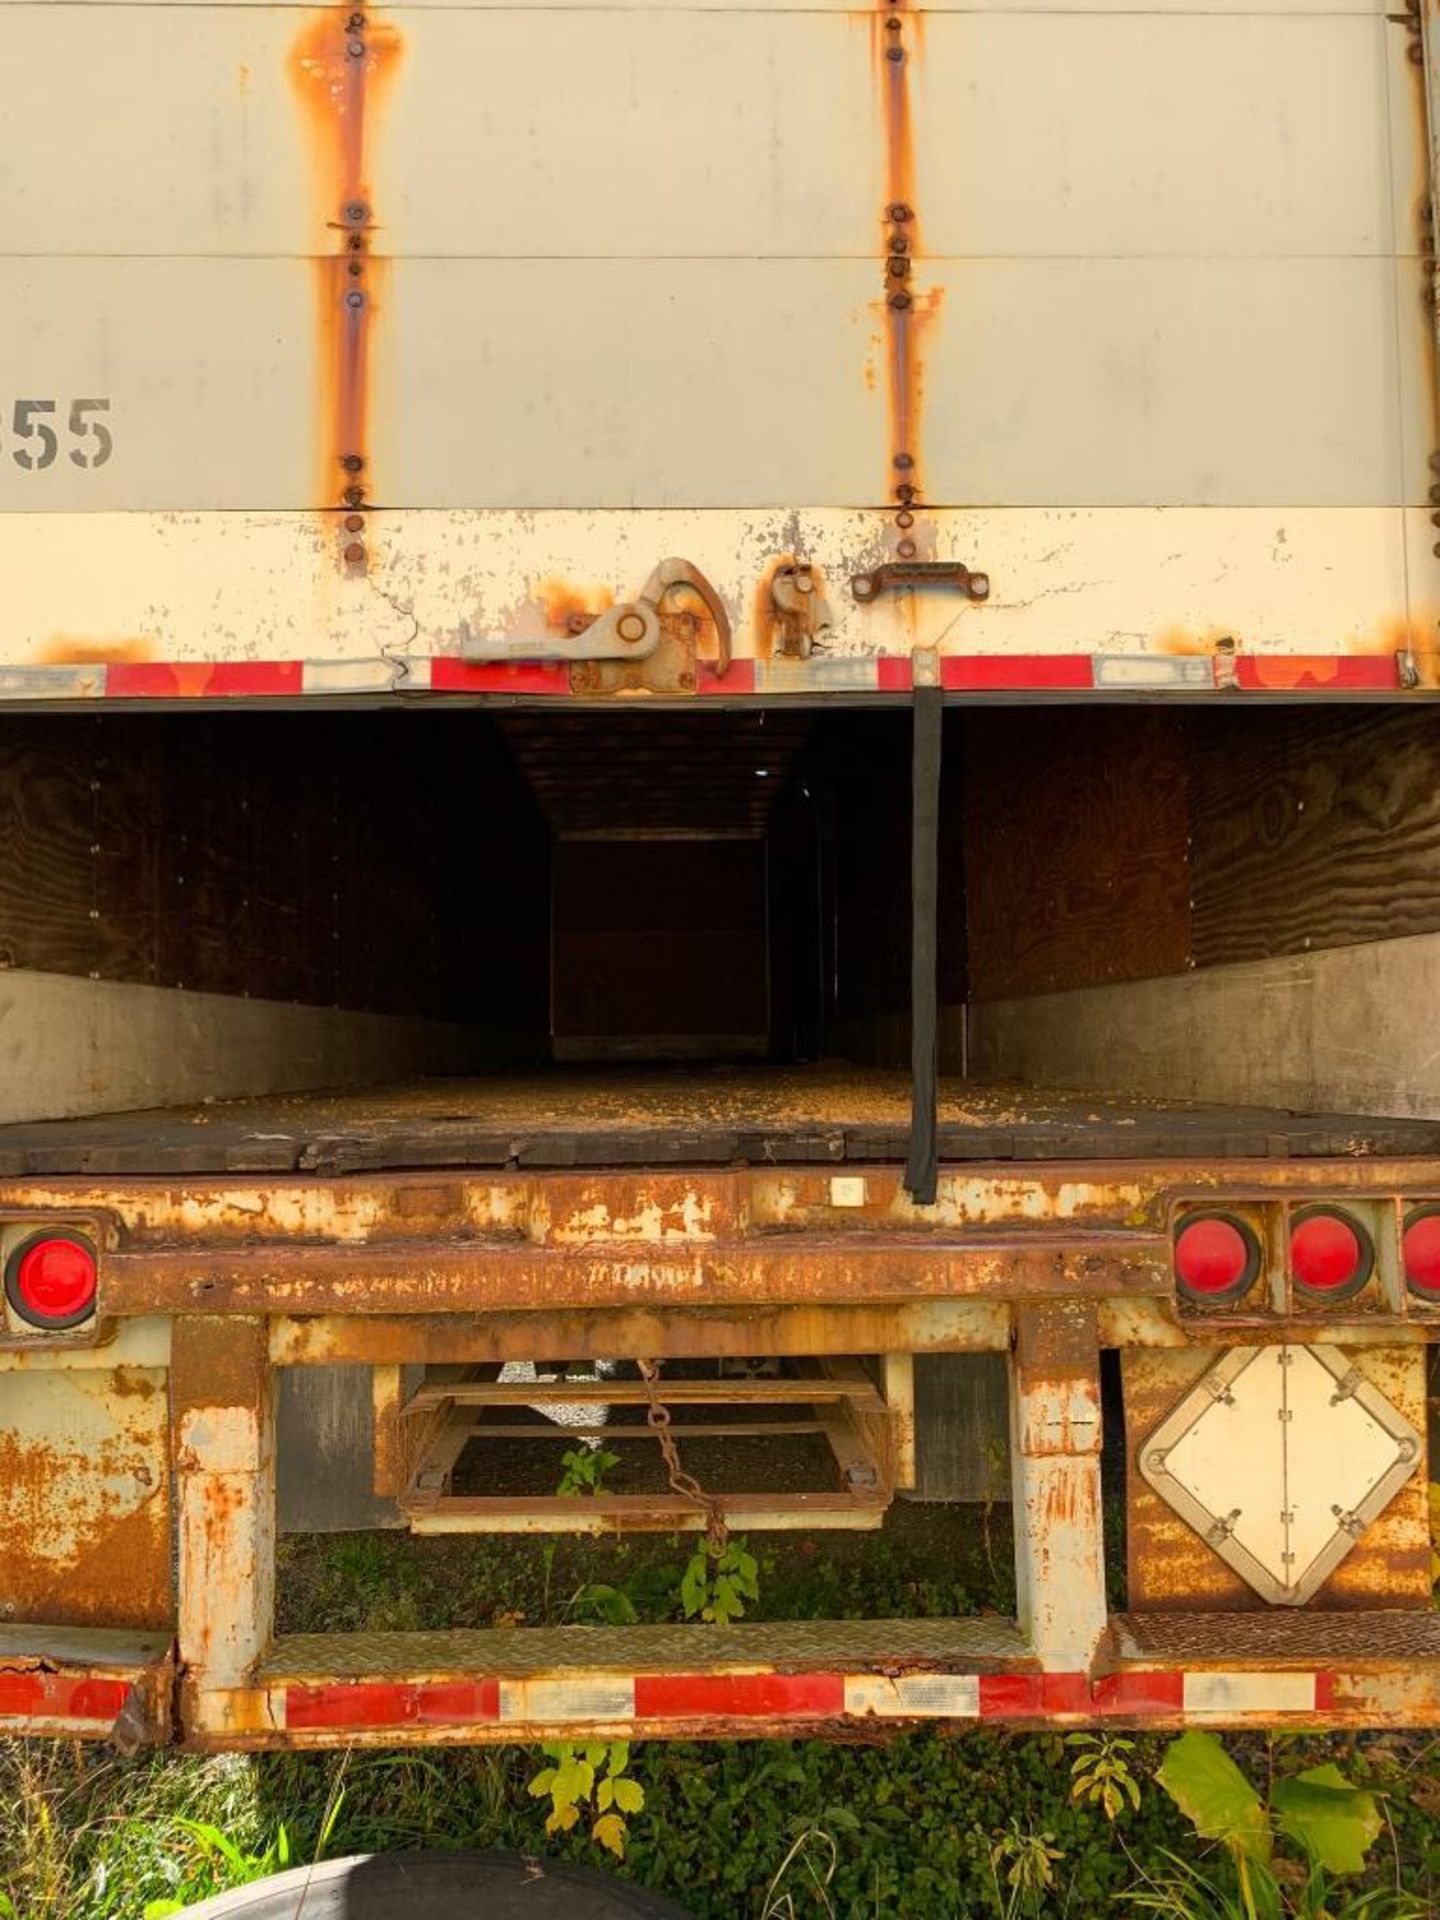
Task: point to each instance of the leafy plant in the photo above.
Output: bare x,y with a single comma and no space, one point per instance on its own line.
1023,1858
590,1783
1331,1822
716,1587
1101,1773
585,1469
596,1604
1185,1890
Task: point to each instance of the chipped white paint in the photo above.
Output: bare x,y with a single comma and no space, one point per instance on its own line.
940,1696
83,1448
126,1343
553,1702
1059,1543
249,586
1222,1696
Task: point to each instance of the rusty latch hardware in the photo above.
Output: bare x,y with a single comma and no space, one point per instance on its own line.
630,630
803,615
897,574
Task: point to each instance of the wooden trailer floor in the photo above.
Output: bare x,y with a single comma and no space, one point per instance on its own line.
683,1116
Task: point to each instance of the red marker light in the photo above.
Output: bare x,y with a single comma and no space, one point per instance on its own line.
1217,1257
1330,1254
50,1280
1420,1246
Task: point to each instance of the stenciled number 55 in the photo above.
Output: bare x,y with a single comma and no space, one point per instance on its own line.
93,442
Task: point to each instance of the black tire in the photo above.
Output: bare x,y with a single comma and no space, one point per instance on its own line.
438,1886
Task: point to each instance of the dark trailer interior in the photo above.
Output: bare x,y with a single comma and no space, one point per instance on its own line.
238,940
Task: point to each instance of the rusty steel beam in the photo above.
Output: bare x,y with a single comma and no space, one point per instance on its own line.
223,1437
468,1278
953,1326
1055,1446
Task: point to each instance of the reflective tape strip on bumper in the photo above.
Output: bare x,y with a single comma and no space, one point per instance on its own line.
648,1699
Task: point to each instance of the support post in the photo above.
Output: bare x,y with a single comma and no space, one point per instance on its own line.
222,1410
1055,1463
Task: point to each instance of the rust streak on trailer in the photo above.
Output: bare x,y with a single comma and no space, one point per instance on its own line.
68,650
569,608
341,65
897,35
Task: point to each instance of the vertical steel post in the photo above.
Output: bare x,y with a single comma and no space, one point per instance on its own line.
222,1409
1055,1465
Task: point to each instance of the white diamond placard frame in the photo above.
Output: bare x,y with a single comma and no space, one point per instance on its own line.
1254,1414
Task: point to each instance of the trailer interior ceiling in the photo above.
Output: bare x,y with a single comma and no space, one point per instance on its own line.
685,920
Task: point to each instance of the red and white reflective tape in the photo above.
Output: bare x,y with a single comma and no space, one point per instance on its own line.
75,1699
650,1699
857,673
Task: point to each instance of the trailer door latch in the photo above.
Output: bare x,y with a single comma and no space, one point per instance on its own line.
896,575
630,630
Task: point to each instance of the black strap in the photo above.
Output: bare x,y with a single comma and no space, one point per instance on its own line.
922,1167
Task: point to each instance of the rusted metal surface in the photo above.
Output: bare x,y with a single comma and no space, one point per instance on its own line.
898,34
1055,1468
692,1240
793,616
92,1683
949,1325
223,1435
1171,1567
757,1271
895,576
838,1396
341,64
84,1497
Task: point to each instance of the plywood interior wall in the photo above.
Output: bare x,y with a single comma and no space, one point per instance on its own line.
1233,905
360,861
1133,843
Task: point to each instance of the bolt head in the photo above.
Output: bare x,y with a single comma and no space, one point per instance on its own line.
898,211
352,463
903,462
906,549
894,53
979,586
357,213
354,553
631,628
355,49
354,298
354,523
900,300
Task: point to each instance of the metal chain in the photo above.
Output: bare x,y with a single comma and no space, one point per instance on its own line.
717,1530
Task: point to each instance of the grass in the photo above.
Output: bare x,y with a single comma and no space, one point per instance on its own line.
911,1825
928,1561
734,1831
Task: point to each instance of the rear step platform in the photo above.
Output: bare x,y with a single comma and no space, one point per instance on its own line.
762,1678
